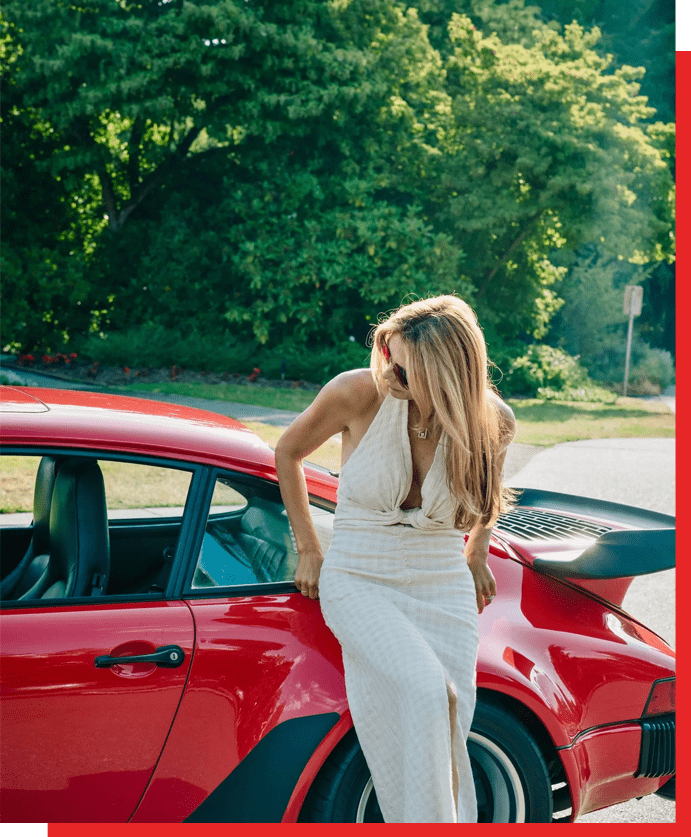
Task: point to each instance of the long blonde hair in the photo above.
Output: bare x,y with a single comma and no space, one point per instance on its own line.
447,370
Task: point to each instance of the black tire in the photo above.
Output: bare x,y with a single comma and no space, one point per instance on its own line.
512,782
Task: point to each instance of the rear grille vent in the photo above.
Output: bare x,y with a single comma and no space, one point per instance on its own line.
534,525
658,754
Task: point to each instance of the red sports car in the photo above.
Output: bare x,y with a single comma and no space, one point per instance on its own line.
158,664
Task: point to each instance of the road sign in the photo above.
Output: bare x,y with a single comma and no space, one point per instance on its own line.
633,300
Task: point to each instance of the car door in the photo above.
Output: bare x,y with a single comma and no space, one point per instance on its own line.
82,732
266,684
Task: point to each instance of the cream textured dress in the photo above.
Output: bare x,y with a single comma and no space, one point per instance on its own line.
396,591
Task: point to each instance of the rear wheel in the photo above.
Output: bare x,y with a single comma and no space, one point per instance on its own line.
512,782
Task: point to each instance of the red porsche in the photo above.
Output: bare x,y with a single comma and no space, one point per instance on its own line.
158,664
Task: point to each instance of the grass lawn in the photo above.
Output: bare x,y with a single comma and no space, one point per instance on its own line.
551,422
281,398
539,422
543,423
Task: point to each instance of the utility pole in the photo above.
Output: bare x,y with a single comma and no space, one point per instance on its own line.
633,303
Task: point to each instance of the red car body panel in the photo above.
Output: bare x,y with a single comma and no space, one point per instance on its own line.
600,768
79,743
258,662
581,666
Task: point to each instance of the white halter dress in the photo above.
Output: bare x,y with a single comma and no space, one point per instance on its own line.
396,591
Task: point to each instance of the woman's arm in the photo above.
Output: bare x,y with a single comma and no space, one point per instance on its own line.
330,413
477,546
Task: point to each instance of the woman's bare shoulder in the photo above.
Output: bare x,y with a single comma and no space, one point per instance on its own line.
356,389
506,416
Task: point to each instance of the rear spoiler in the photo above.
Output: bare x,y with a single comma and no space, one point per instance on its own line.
647,547
601,509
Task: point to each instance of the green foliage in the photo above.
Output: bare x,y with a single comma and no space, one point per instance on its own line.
637,33
650,370
588,393
284,172
155,347
45,287
543,367
539,158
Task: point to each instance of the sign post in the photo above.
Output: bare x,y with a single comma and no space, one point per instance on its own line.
633,303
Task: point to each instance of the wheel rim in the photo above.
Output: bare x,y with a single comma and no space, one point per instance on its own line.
368,807
498,787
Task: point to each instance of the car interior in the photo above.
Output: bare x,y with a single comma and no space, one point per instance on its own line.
73,549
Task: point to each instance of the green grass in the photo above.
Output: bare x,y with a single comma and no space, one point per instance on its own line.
551,422
278,398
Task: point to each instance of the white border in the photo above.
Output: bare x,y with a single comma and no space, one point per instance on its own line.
29,829
683,25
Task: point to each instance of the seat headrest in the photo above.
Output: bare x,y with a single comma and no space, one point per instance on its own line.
43,493
79,543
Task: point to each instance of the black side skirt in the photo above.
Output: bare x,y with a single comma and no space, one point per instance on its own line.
259,788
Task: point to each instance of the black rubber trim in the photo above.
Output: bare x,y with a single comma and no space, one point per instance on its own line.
259,788
658,750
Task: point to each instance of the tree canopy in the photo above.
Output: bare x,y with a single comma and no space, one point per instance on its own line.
284,171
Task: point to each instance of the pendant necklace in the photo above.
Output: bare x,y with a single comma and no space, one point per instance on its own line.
422,434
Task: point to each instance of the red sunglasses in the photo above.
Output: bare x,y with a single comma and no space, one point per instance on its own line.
398,371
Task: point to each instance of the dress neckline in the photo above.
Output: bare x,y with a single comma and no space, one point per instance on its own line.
408,454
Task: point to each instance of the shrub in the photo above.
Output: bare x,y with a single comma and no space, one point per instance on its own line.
650,370
156,347
542,367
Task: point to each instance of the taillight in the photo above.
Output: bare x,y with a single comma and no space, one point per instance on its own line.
662,698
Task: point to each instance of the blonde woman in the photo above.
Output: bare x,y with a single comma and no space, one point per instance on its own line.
423,442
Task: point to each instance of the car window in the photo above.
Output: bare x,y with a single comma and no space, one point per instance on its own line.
144,511
137,491
247,538
133,490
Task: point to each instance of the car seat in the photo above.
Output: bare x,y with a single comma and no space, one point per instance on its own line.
79,555
35,560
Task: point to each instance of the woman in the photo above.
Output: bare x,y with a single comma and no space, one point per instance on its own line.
423,443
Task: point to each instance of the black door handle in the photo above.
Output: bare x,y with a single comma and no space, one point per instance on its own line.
169,656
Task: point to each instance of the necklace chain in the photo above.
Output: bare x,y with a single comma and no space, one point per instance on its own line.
421,434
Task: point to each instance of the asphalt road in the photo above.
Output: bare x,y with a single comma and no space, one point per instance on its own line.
639,472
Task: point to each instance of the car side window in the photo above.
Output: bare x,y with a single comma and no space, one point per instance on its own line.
125,516
136,491
247,538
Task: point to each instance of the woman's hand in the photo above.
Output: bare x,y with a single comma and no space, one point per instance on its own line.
307,573
476,553
485,585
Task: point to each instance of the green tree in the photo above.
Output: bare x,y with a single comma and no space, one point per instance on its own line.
547,148
283,171
46,221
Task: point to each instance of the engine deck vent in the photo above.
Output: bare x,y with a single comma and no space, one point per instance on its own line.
536,525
